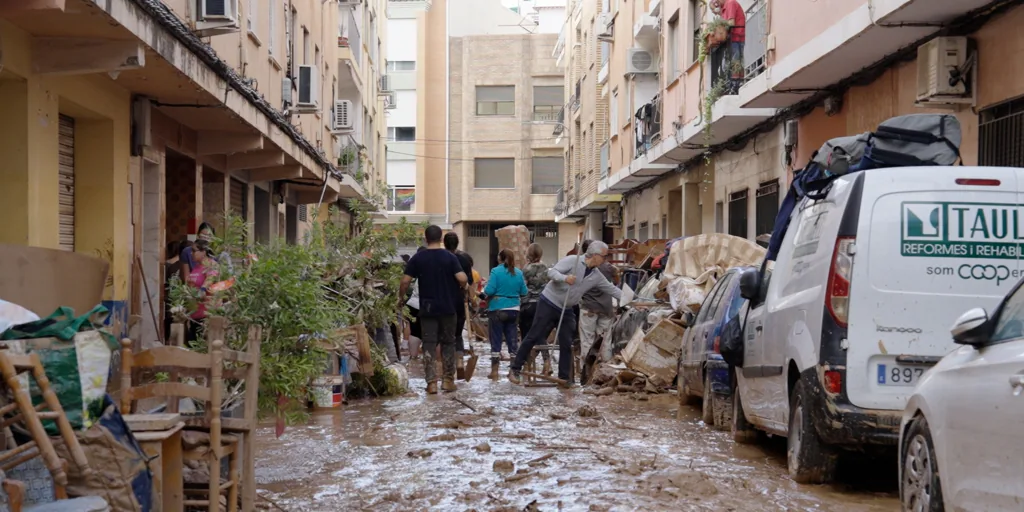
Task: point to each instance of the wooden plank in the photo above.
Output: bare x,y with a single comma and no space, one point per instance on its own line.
151,422
171,356
157,435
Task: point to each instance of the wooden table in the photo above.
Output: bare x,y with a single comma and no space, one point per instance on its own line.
159,435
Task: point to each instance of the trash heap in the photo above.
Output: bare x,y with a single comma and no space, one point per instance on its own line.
648,335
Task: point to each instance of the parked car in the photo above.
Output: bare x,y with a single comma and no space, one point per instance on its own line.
702,371
835,342
961,445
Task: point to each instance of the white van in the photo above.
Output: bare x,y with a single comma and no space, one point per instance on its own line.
858,307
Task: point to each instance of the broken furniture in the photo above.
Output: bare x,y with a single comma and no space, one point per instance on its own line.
159,435
533,378
21,411
213,435
14,491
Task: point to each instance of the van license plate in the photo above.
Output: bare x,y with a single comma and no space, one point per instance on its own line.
896,375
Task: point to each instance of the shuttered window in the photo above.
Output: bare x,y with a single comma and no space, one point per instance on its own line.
548,173
547,101
239,204
495,100
66,158
494,173
738,214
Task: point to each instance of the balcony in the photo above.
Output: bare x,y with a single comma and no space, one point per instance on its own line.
575,99
646,32
643,168
559,51
350,42
755,48
560,202
870,32
560,127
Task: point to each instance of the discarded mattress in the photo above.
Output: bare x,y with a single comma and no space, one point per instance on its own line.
695,264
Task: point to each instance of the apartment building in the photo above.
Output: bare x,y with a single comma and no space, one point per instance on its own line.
416,124
130,122
699,144
505,166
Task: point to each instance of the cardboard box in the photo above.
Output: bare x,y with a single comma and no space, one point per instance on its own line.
42,280
656,353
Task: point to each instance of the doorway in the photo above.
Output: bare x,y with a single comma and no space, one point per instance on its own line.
261,212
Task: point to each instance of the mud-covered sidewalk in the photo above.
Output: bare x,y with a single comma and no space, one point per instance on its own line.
531,448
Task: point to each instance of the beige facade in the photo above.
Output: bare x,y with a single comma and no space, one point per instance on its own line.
720,158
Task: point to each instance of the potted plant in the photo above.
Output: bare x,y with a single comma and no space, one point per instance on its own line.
716,32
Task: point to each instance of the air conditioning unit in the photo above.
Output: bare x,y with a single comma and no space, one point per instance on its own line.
391,101
343,115
216,17
309,87
613,215
640,61
604,29
385,84
942,70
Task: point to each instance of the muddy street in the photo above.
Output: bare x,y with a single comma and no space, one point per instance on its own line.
543,448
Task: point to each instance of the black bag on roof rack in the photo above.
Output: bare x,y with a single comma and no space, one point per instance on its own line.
914,140
839,155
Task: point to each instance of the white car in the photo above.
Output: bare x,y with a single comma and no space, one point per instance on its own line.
962,436
836,340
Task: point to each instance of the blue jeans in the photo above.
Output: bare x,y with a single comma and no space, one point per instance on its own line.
507,329
545,321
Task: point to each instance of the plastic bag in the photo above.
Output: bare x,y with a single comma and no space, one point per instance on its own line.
12,314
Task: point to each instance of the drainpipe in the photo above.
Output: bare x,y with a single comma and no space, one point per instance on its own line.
447,111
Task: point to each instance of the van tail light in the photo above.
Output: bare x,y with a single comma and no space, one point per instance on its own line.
833,382
718,340
978,182
838,297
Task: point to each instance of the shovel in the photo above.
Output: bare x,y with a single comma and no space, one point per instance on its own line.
471,363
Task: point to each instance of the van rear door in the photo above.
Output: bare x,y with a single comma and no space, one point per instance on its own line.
932,242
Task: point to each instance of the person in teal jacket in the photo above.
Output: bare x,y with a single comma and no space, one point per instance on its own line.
503,294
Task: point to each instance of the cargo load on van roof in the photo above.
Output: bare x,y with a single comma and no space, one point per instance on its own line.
903,141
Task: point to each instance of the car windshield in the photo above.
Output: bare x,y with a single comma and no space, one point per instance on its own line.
1010,324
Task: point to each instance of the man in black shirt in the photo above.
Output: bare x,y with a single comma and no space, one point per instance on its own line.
451,243
440,279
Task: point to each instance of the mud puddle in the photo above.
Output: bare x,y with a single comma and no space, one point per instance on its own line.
536,449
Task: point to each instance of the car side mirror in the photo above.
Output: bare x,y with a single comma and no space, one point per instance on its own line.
972,328
750,285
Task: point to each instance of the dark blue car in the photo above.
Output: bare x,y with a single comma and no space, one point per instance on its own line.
702,371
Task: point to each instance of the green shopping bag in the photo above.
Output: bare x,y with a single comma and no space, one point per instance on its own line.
75,354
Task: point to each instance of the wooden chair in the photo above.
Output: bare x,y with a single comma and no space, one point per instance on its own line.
21,411
227,437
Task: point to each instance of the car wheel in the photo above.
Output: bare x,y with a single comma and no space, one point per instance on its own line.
685,398
920,486
810,461
742,431
707,411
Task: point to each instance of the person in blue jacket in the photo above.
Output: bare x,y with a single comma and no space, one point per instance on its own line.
503,294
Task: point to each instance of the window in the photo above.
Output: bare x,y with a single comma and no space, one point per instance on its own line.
548,172
251,20
272,48
604,160
1010,323
401,133
401,65
999,135
401,198
631,232
495,100
494,173
645,231
615,113
305,46
547,101
738,214
766,207
664,226
719,217
695,28
673,47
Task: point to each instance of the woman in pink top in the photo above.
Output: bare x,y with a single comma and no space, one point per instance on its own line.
197,279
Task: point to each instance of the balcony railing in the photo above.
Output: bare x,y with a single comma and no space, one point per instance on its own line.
756,41
348,34
560,127
546,117
576,97
560,201
648,126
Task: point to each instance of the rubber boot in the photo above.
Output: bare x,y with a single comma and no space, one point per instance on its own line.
460,366
495,363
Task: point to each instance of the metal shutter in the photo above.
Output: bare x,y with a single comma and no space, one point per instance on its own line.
238,198
66,168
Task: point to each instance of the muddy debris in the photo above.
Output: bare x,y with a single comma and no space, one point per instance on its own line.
420,454
504,466
558,416
588,423
587,411
539,460
441,437
522,474
483,447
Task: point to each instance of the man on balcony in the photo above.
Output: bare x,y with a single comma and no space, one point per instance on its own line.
732,12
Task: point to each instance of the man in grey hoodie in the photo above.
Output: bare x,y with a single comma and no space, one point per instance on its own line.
571,278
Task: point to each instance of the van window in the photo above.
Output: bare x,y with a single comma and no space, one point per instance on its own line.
808,234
